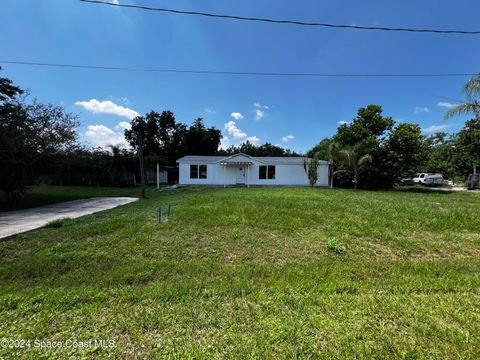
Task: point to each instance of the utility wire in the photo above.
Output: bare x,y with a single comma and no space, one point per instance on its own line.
278,21
240,73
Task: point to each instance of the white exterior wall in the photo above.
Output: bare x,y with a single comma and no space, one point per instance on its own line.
285,174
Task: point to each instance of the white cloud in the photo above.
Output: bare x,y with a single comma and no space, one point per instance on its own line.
435,128
253,139
260,106
342,122
446,104
419,110
233,130
259,114
225,142
236,115
209,111
260,111
235,136
123,125
100,135
115,2
288,138
125,100
107,107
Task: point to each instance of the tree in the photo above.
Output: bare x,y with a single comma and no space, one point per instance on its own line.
442,155
406,148
171,137
147,126
162,136
29,132
251,149
356,160
368,128
8,90
332,155
467,146
201,140
472,105
311,169
322,149
468,142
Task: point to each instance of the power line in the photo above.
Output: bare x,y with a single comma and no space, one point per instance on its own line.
239,73
290,22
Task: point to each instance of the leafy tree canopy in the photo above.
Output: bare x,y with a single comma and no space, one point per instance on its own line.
467,146
29,132
201,140
406,148
267,149
161,135
369,128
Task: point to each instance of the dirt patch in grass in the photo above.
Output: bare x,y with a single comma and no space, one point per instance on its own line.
383,250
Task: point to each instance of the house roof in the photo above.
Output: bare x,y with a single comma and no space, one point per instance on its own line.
238,159
200,158
289,160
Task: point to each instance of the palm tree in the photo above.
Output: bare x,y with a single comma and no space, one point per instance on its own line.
333,155
356,161
472,105
311,168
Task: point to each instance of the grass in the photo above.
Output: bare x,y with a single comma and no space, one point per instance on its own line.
262,273
335,246
46,195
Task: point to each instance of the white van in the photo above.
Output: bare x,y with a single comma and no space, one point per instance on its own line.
420,178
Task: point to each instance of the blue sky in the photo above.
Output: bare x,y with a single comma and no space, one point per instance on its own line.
292,112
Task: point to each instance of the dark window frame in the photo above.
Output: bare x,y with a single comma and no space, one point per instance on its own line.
271,171
202,171
266,172
262,172
193,171
196,171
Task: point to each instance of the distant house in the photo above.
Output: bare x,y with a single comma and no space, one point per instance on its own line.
241,169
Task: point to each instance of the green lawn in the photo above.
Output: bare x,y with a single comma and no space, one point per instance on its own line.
46,195
263,273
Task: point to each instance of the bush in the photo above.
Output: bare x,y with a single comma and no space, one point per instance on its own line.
58,223
335,246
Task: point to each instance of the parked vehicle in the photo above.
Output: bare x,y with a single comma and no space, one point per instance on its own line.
428,179
433,180
447,182
420,178
406,181
473,182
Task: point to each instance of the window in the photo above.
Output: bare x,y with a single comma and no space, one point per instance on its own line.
193,171
202,171
198,171
262,175
271,172
266,172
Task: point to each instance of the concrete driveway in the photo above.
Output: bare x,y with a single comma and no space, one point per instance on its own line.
14,222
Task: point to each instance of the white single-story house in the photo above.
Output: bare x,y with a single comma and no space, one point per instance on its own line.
241,169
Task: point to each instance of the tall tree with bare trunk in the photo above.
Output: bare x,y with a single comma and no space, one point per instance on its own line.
356,160
333,155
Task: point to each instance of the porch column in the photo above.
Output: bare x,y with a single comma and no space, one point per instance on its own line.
224,180
248,175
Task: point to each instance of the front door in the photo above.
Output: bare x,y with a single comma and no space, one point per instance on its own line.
241,175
